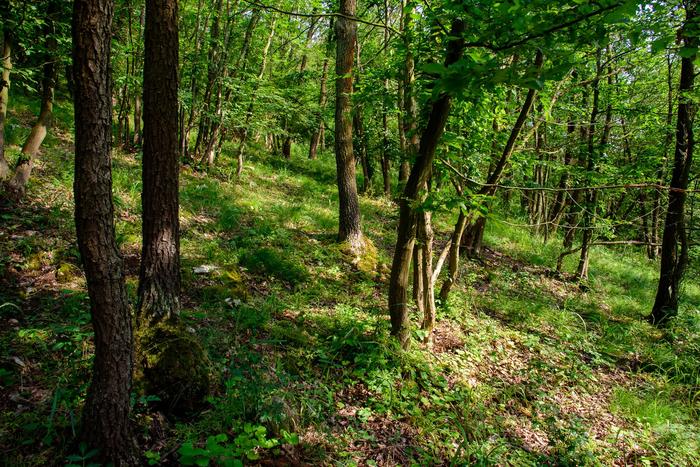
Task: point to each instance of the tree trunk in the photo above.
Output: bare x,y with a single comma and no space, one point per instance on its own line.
410,111
453,271
240,154
674,249
105,419
386,161
474,234
316,137
661,172
425,234
23,170
589,212
349,229
406,236
159,277
4,96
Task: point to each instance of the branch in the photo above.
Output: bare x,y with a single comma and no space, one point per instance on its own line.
321,15
523,40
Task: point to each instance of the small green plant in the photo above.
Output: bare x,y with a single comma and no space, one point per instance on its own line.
82,459
245,446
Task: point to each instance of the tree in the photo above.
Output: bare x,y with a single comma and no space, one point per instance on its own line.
674,249
420,173
159,277
23,170
4,95
105,420
349,230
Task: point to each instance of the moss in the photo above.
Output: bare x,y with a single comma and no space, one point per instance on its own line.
172,365
66,272
366,260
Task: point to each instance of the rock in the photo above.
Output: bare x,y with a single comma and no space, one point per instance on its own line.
172,365
205,269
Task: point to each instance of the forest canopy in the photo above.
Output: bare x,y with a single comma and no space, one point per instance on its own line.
349,232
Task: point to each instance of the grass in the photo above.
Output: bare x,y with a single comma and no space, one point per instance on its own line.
527,369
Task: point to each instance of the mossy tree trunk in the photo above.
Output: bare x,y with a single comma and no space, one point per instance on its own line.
349,229
105,419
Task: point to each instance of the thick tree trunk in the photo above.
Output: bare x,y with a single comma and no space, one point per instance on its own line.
159,277
349,230
674,249
4,96
105,420
440,110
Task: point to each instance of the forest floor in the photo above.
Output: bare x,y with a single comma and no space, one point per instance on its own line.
527,368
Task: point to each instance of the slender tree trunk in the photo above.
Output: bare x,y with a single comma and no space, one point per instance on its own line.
410,112
240,154
316,137
425,233
455,242
386,160
674,249
105,419
589,213
4,96
159,277
474,234
349,230
420,172
661,172
18,183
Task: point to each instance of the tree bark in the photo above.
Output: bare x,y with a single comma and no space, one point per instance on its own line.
105,419
4,96
674,249
159,277
406,236
349,229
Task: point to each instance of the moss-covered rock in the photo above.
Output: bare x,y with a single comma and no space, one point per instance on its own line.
172,365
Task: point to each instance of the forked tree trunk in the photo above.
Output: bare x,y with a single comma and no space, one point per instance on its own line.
406,236
105,419
159,277
674,249
349,229
4,96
